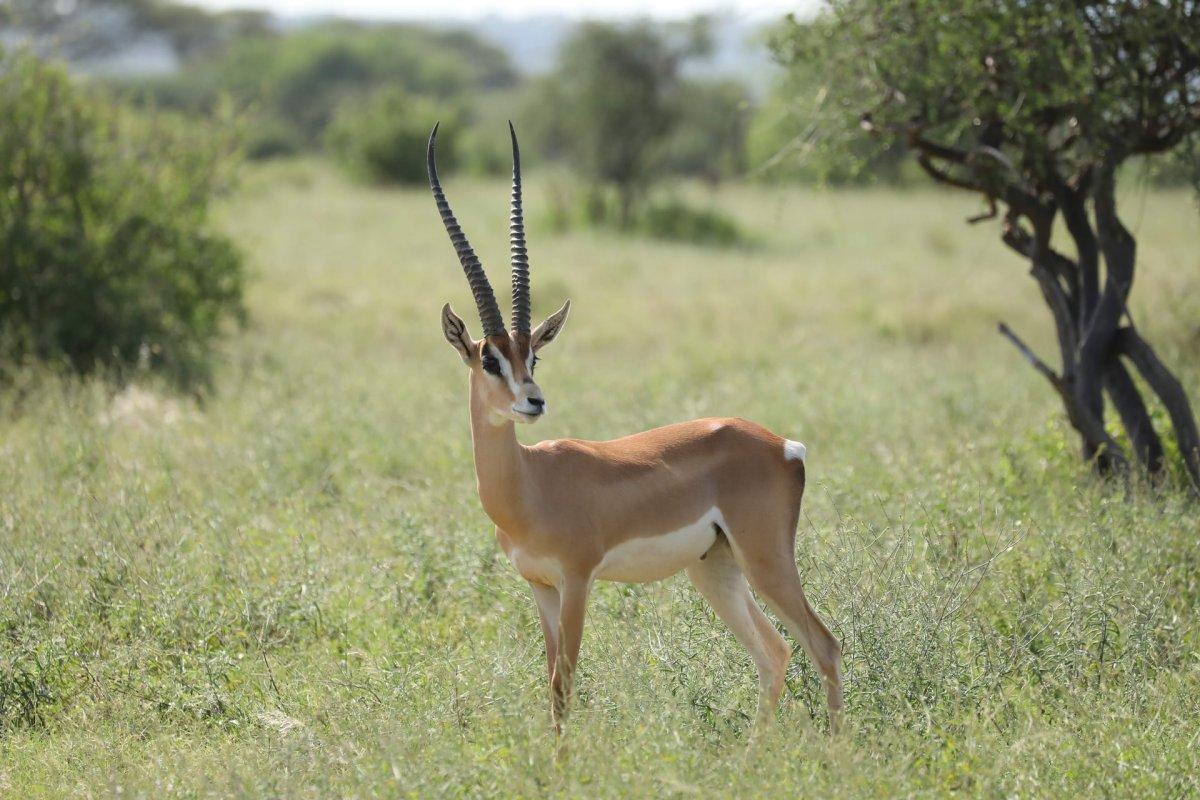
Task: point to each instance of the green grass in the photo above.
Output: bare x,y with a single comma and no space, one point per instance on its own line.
290,590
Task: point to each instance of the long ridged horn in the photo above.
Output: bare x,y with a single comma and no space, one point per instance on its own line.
516,242
485,299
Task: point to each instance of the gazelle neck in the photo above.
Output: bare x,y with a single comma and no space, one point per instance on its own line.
499,465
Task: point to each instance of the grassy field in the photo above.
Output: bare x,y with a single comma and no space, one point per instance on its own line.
290,589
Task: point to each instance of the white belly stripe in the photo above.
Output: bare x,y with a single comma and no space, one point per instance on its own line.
542,569
652,558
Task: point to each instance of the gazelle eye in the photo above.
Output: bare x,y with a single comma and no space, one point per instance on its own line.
490,364
533,364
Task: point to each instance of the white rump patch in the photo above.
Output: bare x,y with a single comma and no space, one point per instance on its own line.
652,558
793,451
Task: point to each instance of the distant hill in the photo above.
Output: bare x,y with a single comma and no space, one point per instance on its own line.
532,43
123,38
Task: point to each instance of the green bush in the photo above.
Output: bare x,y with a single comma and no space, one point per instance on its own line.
381,138
107,257
676,221
269,137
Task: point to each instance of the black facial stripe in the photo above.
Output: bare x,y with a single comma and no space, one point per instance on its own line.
489,362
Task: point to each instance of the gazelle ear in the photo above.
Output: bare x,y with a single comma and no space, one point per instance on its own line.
455,331
548,331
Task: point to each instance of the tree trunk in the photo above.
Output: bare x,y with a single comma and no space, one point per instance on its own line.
1170,392
1135,418
626,201
1091,339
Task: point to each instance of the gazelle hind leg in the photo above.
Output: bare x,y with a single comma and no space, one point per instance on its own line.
719,579
777,581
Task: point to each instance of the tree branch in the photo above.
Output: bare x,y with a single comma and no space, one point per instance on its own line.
1060,309
942,176
1086,423
1074,211
1048,268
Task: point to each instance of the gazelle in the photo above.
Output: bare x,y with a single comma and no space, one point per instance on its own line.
719,498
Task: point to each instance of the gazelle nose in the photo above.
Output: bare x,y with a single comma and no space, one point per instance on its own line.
536,402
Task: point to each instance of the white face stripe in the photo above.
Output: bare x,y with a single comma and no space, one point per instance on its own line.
505,370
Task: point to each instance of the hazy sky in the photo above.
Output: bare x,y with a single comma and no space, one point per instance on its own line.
475,8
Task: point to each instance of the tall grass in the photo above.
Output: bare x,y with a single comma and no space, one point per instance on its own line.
292,591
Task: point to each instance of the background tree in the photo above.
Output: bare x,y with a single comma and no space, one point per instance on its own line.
612,101
1035,106
709,141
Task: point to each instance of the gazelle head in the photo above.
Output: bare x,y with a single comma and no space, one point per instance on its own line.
501,363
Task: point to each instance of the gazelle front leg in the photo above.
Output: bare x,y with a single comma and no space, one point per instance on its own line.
573,594
548,603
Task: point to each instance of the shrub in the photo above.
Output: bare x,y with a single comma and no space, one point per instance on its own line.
269,137
676,221
381,138
107,257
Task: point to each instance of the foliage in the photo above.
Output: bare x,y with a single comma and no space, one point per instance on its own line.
1052,87
381,138
291,591
107,257
611,103
1179,167
789,138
